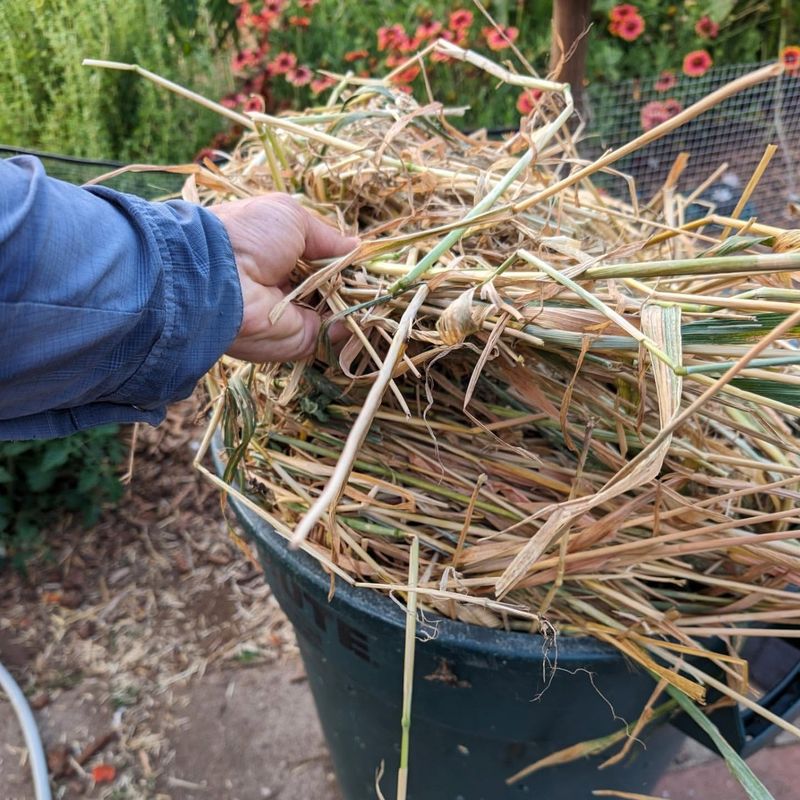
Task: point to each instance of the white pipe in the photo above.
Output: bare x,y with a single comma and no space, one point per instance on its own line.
41,781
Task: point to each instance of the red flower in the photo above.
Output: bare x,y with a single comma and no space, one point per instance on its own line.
407,75
460,18
500,38
322,83
528,100
299,76
307,4
282,63
623,11
657,111
629,28
790,56
241,61
103,773
706,28
274,7
697,63
232,100
300,22
395,60
355,55
389,36
428,30
457,37
666,80
407,44
254,103
243,16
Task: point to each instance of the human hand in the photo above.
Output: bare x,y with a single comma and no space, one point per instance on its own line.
268,234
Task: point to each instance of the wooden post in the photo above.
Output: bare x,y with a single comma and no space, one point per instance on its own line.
570,22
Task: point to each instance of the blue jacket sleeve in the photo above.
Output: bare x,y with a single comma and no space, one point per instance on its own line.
111,307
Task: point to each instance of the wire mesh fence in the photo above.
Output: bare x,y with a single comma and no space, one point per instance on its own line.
736,133
150,185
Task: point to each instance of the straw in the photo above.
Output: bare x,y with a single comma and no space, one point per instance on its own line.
585,433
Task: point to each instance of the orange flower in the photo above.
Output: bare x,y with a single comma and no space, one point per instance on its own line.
622,11
322,83
460,18
389,35
274,7
307,4
706,28
299,76
428,30
528,100
697,63
355,55
666,80
300,22
790,56
629,28
282,63
500,38
103,773
407,75
395,60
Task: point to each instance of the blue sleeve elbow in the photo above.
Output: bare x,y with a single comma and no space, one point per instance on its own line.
111,307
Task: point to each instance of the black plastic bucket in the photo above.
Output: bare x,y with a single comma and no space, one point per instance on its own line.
486,703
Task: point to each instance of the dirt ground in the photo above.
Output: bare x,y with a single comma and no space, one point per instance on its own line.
153,640
150,644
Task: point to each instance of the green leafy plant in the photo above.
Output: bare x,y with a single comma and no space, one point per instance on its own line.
284,47
647,37
51,102
39,480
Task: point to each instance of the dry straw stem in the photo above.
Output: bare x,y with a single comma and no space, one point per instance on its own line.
634,414
408,670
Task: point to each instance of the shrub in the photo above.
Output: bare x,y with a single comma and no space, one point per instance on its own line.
40,480
51,102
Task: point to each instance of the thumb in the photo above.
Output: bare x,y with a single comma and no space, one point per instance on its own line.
323,240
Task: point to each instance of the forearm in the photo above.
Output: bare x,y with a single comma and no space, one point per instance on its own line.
110,307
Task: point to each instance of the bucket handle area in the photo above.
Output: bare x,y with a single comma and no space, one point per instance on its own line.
774,663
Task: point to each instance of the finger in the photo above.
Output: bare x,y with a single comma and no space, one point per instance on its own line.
324,241
291,336
338,331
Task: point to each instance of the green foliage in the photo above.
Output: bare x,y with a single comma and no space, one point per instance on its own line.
39,480
340,36
340,29
51,102
748,32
